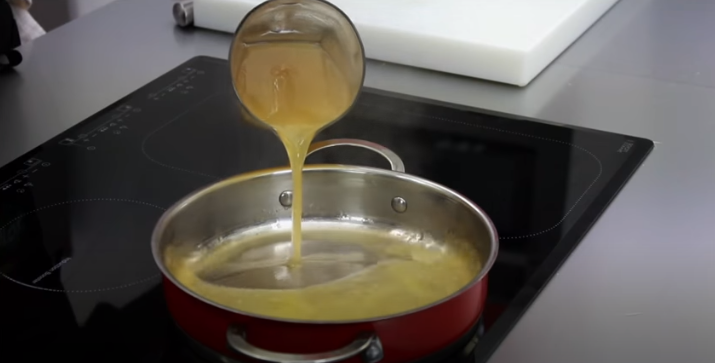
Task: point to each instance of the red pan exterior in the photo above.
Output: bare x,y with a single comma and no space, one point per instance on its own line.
404,338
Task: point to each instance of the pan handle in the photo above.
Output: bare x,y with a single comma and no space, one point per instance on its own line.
395,162
367,345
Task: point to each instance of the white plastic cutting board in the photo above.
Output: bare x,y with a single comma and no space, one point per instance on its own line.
507,41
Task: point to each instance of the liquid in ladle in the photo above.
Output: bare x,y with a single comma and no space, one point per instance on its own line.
297,89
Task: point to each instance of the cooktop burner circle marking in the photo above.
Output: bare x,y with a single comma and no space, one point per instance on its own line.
82,291
578,200
149,136
144,280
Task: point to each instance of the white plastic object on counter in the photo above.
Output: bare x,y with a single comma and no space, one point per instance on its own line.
508,41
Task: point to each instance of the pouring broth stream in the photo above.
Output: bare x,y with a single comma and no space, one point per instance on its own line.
297,89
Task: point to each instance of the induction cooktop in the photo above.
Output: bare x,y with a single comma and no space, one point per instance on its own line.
77,278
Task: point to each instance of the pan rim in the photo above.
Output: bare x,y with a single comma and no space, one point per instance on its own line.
178,206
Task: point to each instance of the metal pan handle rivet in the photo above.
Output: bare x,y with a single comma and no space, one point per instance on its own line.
399,204
286,198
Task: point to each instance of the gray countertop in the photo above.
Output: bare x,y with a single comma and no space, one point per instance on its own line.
641,285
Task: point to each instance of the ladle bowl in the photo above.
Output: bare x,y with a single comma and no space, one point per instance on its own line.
300,21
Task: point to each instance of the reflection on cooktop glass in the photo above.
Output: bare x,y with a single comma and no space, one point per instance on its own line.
77,278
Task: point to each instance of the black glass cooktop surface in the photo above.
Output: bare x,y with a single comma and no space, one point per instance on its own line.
77,279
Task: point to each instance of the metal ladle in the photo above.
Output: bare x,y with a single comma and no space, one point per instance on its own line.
300,21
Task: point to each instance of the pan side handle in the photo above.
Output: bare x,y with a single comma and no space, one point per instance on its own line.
367,345
395,161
